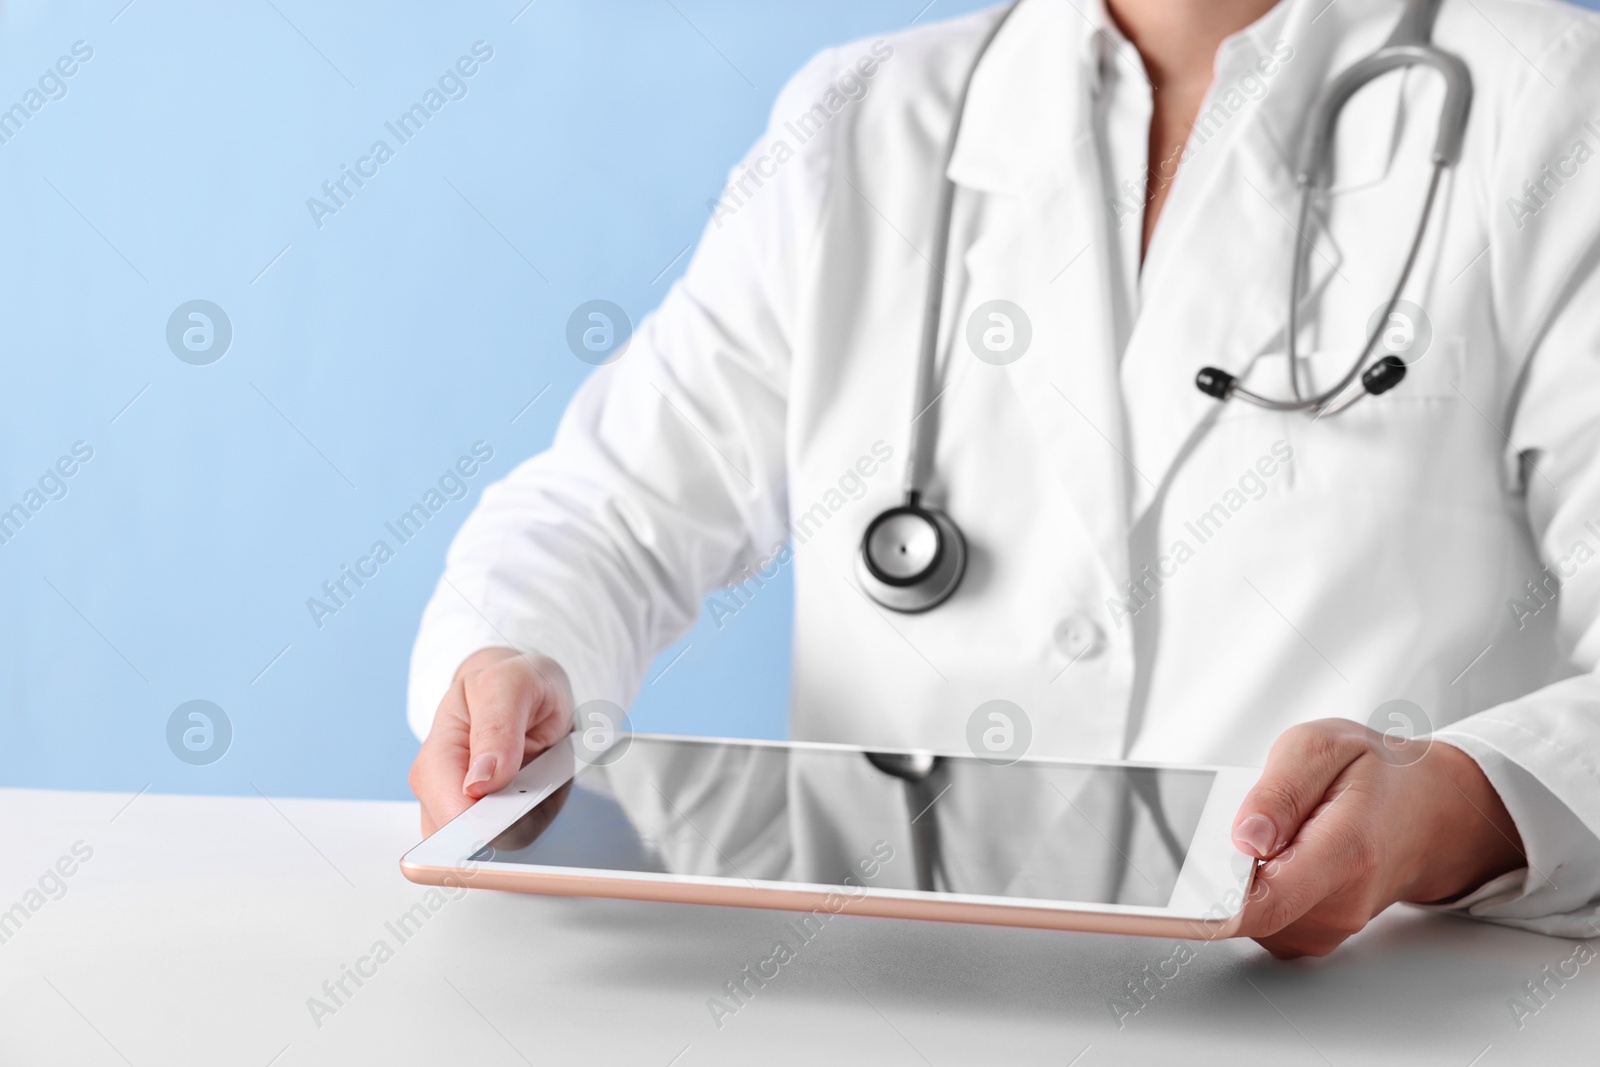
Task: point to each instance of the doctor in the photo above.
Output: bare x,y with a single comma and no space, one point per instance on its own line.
1150,573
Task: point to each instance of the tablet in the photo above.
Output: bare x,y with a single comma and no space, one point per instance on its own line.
821,828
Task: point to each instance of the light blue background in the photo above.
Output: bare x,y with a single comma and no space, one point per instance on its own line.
367,355
370,356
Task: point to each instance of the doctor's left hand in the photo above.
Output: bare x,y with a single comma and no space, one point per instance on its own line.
1351,821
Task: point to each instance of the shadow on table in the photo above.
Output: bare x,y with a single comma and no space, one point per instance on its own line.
1411,980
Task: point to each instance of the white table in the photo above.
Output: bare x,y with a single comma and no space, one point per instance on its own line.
199,928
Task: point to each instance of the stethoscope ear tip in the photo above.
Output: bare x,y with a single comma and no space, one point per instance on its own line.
1214,382
1383,375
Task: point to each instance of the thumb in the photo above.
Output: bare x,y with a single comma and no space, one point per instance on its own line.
1303,763
517,707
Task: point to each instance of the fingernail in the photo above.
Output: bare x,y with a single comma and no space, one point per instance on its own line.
482,770
1256,834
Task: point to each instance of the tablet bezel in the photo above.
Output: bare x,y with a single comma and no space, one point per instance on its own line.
1207,899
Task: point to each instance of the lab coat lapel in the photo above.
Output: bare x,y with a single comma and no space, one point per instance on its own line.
1224,303
1217,288
1027,164
1046,254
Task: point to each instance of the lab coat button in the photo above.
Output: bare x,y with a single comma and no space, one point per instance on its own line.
1078,637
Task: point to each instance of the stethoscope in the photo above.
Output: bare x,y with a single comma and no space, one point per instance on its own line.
920,774
913,556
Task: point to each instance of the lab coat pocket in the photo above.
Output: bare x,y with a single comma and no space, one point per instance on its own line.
1423,449
1394,440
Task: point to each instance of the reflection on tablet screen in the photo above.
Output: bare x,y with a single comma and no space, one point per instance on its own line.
1064,832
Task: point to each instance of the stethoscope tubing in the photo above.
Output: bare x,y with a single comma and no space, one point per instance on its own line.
923,420
1321,403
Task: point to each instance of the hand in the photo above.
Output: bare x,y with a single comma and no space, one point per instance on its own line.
1352,821
503,709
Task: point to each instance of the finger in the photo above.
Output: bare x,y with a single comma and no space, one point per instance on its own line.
1326,926
500,704
1293,945
1332,853
1303,763
1311,936
441,762
552,717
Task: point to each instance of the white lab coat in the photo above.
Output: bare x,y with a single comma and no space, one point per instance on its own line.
1371,556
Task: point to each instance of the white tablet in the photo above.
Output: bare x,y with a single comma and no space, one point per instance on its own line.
1065,844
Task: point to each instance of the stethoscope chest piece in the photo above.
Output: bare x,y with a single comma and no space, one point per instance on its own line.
911,558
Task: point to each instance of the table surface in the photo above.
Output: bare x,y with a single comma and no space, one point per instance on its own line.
200,929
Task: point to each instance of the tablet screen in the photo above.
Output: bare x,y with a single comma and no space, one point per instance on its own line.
1086,833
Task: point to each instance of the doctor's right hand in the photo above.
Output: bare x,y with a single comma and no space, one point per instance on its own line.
504,707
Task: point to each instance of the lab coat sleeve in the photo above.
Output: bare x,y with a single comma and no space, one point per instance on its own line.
666,478
1542,751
